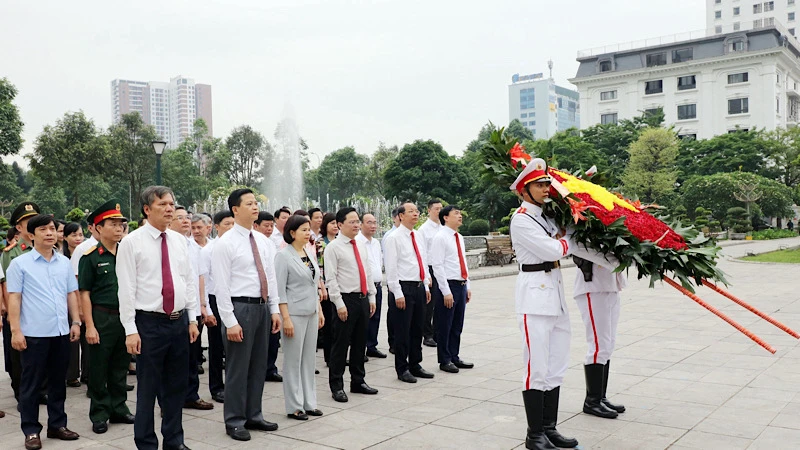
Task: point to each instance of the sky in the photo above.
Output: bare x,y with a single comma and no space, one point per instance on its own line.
352,73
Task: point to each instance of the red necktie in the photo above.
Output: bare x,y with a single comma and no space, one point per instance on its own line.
262,276
461,258
362,275
419,258
167,288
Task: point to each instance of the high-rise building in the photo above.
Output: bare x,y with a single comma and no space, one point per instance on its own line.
171,108
724,16
706,83
541,105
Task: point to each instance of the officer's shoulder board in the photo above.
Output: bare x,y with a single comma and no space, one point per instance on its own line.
10,247
90,250
521,210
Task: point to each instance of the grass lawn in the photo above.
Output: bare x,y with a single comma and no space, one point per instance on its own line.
780,256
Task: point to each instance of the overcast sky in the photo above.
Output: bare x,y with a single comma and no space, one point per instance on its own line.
354,72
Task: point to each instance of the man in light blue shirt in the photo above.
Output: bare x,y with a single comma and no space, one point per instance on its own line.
39,331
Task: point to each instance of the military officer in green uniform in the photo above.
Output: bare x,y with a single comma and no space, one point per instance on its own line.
97,281
24,244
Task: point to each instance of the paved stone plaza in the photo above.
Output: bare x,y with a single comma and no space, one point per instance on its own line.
688,380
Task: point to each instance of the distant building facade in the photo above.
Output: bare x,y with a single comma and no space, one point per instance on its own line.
542,106
733,15
171,107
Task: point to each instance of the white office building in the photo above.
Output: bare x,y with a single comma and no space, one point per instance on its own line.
734,15
541,105
707,83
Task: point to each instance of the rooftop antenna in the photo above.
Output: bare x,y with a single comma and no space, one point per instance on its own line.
550,66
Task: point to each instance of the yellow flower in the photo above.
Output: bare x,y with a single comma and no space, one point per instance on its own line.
598,193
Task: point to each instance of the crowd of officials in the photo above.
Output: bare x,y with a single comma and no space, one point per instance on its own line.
94,310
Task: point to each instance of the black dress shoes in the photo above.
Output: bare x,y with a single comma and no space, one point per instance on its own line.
340,396
179,447
276,377
429,342
260,425
391,350
128,387
463,365
218,397
200,370
375,353
314,412
363,388
298,415
419,372
449,368
99,427
129,419
406,377
239,434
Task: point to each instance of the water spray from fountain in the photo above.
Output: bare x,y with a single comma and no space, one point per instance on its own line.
283,176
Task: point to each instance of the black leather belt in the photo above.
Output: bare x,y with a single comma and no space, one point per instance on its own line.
543,267
174,316
354,294
458,282
249,300
105,310
411,283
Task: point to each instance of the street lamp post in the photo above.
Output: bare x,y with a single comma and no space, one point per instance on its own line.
158,146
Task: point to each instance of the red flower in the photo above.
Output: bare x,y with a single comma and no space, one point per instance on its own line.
577,208
518,155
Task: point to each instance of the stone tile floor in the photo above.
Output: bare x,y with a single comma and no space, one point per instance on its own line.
689,381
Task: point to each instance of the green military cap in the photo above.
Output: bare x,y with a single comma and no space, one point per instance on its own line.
24,211
108,210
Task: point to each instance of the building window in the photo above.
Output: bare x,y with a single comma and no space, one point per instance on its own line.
717,2
791,16
656,59
689,136
718,29
686,112
650,112
778,78
736,46
607,119
736,11
605,66
777,105
718,14
790,2
758,23
769,6
738,78
791,31
681,55
523,115
737,26
769,21
738,106
687,82
757,8
608,95
653,87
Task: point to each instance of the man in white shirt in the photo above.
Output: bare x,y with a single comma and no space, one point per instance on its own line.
450,271
281,216
428,230
266,225
223,221
157,295
246,291
367,236
408,279
315,219
389,295
352,291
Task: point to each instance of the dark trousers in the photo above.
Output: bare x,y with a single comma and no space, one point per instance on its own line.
390,318
198,351
12,359
326,332
193,378
215,351
408,327
161,370
45,357
429,330
450,322
272,356
79,358
375,321
351,333
107,373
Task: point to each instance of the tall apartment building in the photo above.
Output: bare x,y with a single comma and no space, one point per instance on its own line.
170,107
541,105
707,83
723,16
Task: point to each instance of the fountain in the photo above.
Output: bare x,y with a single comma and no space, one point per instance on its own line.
283,177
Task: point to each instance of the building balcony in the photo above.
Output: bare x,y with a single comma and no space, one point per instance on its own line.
792,92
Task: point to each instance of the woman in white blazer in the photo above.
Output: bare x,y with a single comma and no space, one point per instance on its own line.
298,287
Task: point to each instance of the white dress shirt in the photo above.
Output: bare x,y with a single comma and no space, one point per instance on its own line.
205,267
277,239
77,254
401,262
428,230
139,274
375,256
445,260
341,269
235,272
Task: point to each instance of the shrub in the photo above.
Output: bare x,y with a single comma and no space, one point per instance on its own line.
132,225
504,230
479,227
738,220
76,215
772,234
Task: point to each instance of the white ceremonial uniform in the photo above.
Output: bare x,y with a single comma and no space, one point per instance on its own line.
540,303
598,302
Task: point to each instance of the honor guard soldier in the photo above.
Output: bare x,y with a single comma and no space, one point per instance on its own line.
540,305
97,281
24,244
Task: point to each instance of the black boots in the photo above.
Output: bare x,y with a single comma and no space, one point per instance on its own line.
595,373
608,404
534,406
550,418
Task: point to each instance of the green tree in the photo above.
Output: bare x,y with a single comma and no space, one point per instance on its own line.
133,159
375,181
424,169
517,131
69,153
718,193
730,152
783,155
343,173
182,174
651,173
10,192
49,198
566,150
248,152
10,122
